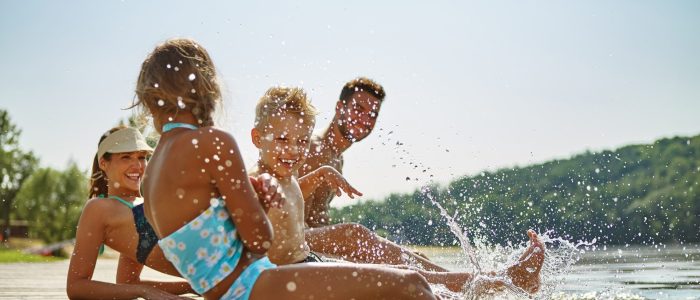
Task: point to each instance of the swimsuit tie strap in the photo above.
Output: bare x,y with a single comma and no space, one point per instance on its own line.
127,203
172,125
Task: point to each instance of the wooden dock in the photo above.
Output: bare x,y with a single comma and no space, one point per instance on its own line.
48,280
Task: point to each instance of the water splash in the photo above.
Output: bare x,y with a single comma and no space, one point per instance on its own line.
561,255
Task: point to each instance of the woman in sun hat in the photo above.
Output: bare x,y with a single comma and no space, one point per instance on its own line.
111,218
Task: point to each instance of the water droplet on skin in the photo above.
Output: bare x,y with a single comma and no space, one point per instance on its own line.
180,193
180,103
117,184
216,157
192,77
354,274
291,286
214,202
266,245
220,168
195,142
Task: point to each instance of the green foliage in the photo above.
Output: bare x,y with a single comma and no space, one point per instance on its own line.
52,201
635,194
15,166
15,256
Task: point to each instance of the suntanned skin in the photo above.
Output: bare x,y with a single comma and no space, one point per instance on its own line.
105,220
283,145
167,213
353,121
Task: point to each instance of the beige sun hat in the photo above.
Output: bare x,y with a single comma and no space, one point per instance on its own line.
123,140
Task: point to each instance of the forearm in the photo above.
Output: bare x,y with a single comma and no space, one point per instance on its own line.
172,287
318,217
90,289
309,183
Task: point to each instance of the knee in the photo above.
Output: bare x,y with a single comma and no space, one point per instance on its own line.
416,286
356,230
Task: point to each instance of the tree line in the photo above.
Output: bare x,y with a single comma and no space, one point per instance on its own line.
639,194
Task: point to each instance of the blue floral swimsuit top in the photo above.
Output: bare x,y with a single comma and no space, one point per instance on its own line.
206,249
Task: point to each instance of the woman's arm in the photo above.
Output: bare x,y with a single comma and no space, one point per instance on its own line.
233,183
88,238
129,272
311,181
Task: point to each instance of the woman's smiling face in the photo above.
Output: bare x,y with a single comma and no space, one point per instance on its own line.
124,171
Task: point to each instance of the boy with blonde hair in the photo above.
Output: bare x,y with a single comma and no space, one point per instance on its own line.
284,121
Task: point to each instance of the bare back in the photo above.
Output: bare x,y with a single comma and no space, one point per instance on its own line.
188,169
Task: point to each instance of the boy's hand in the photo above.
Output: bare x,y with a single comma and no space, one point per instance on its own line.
337,182
268,191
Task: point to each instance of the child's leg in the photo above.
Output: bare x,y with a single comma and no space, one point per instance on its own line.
356,243
339,281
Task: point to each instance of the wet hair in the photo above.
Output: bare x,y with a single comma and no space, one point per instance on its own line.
278,100
98,180
179,76
361,84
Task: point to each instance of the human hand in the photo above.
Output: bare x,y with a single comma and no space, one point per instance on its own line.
337,182
268,191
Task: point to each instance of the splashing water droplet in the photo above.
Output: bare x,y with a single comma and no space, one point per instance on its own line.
192,77
155,85
193,91
176,69
161,102
168,66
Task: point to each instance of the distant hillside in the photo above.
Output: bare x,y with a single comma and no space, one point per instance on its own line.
635,194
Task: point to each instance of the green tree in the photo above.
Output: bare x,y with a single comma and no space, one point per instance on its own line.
53,200
15,166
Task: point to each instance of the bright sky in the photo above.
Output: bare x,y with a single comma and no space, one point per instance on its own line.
471,86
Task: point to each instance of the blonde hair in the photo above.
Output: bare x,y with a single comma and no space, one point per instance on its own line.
278,100
179,76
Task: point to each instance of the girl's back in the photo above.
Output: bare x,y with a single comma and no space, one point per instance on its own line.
177,183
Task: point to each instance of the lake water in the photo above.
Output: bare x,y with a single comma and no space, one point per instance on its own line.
620,272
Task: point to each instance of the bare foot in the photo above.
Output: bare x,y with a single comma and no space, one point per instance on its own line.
525,274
